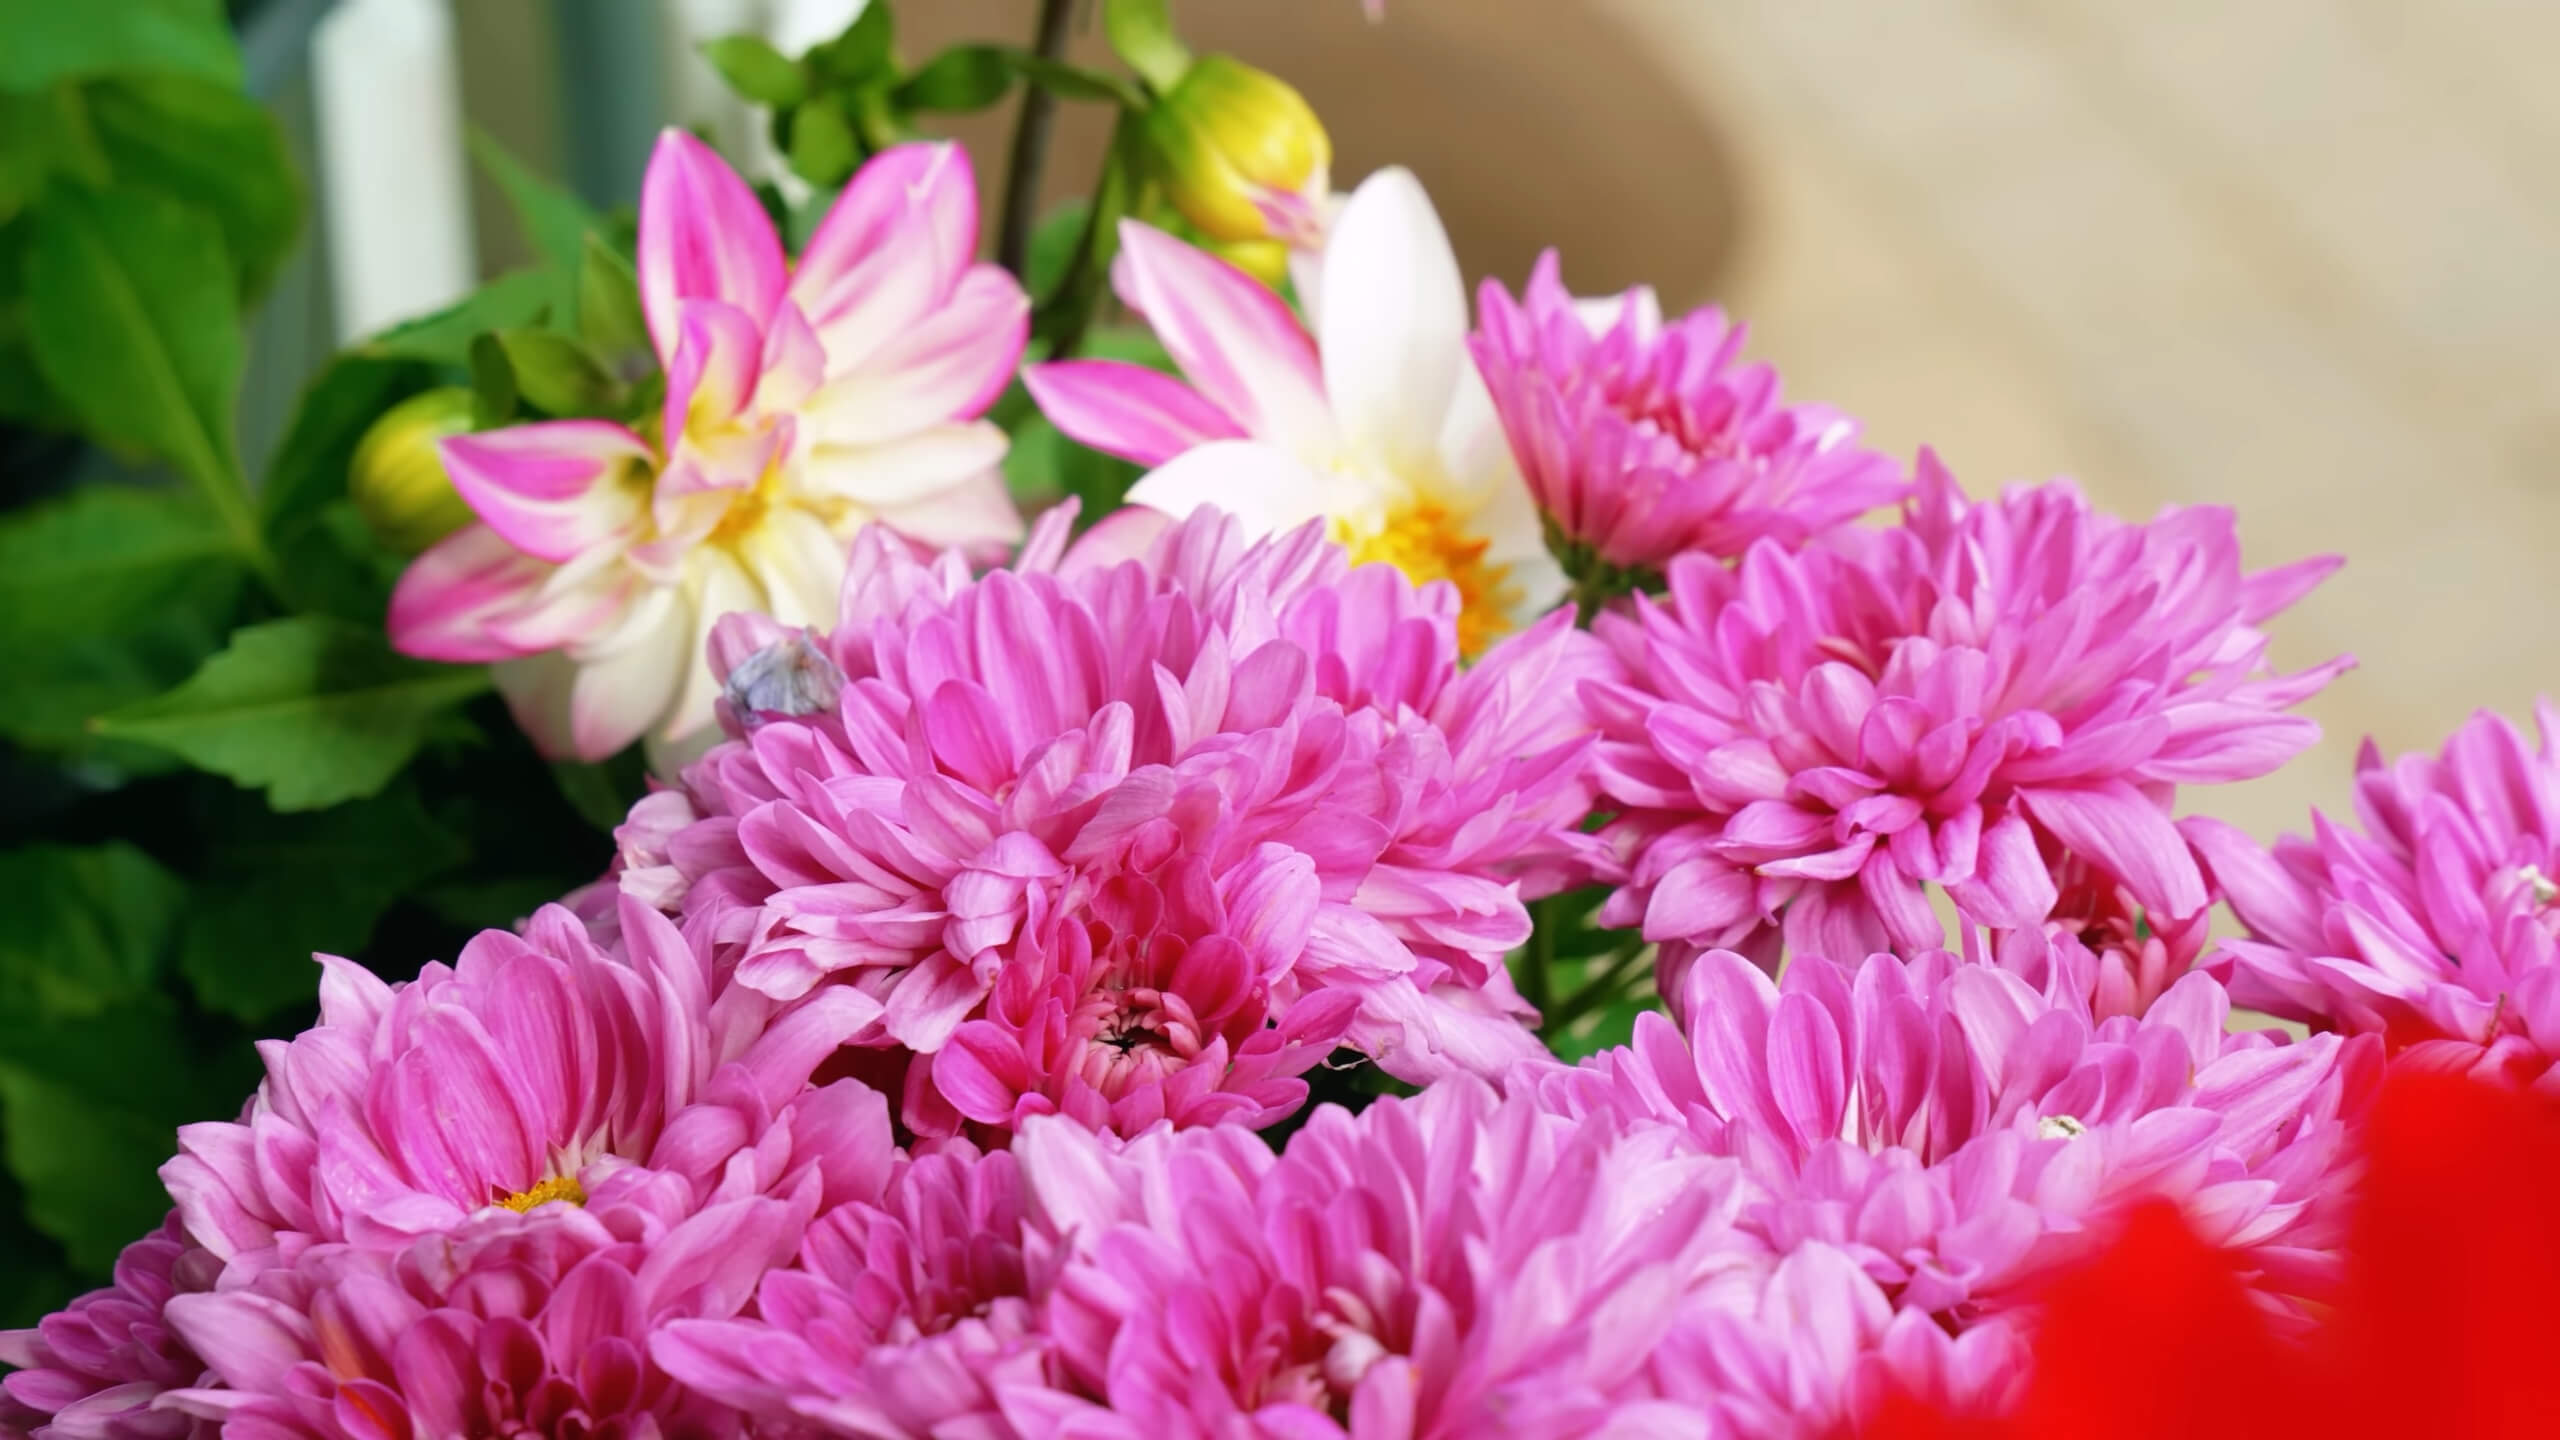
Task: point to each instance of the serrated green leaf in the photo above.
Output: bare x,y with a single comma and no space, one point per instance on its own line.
89,928
559,376
42,41
609,313
282,887
964,77
863,51
823,151
519,297
756,71
208,145
313,710
130,304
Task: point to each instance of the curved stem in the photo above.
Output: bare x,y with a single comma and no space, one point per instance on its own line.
1031,145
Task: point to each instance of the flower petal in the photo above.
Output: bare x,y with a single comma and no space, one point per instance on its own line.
907,469
1138,414
702,236
553,489
1234,339
890,249
440,609
1266,488
1394,323
950,366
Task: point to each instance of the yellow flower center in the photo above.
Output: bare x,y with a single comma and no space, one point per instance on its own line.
559,1187
1425,542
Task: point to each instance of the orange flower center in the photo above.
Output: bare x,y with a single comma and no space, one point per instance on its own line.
1425,542
559,1187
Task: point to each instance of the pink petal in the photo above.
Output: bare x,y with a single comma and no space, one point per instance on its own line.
554,489
719,349
890,249
2129,836
1233,339
702,236
1126,410
440,609
950,366
2010,886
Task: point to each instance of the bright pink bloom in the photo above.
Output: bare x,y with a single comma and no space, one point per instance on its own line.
2435,925
1937,1139
802,403
1643,441
1453,1265
536,1071
904,1318
1962,699
91,1370
1140,840
531,1324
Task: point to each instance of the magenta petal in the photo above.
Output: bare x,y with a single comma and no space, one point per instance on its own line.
1127,410
1234,339
441,608
553,489
703,236
890,249
948,366
2116,827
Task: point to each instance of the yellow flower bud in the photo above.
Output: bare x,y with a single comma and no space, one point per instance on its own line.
1242,155
1264,260
396,478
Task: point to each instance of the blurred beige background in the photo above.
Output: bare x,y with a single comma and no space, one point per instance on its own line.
2294,256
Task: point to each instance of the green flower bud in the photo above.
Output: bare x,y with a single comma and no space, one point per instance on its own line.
396,478
1241,154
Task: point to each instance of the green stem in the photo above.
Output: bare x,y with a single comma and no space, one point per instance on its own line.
1596,992
1068,311
1031,144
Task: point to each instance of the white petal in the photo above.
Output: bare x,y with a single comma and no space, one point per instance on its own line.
1393,323
906,470
1266,488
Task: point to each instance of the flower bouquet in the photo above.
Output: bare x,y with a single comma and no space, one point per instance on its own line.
1197,837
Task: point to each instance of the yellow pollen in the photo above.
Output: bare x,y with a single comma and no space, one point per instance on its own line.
559,1187
1425,542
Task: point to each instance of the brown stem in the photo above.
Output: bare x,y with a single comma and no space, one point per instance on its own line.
1031,145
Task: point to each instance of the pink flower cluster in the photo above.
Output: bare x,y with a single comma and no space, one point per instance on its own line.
903,1078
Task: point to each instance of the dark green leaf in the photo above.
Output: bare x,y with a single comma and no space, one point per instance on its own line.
281,887
822,146
1043,466
89,928
87,1166
1142,33
604,792
519,297
314,710
488,904
1610,1026
130,303
964,77
863,51
42,41
215,149
48,132
493,383
554,220
757,71
310,468
609,314
557,375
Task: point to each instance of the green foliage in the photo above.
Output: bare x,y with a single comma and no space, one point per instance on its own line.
823,149
44,41
964,77
519,297
609,313
213,149
88,928
559,376
555,221
1141,32
757,71
312,709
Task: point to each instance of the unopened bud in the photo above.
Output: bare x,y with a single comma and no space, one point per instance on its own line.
1242,154
396,479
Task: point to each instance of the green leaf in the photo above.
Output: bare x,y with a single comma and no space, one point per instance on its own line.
212,147
1043,465
89,928
557,375
314,710
88,1167
493,383
282,887
609,313
964,77
519,297
310,468
1074,82
48,132
1606,1028
603,792
823,151
130,304
757,71
42,41
1141,32
555,221
863,51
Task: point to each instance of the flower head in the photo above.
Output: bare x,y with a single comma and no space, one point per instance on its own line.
1242,154
802,403
1973,697
94,1368
1642,441
1142,839
536,1073
2435,924
1376,424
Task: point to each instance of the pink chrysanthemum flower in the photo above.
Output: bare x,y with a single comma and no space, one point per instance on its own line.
1454,1265
536,1071
1138,840
803,402
510,1324
1642,440
905,1317
2435,925
92,1370
1957,1135
1962,699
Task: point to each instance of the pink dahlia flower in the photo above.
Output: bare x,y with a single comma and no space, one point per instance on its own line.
803,402
1642,440
535,1073
510,1324
904,1318
1964,699
1139,840
2435,925
92,1370
1453,1265
1953,1136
